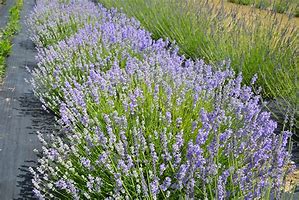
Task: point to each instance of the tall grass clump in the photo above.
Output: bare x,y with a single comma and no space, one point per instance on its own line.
266,45
7,33
139,121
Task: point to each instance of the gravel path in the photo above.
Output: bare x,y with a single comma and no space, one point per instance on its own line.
21,116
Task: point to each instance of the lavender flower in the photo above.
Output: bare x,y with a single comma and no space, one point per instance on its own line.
141,121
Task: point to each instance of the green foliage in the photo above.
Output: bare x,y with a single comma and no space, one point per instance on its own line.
6,34
5,47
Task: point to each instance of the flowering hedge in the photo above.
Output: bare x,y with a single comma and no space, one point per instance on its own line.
139,121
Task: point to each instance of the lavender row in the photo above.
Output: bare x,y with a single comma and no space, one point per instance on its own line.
139,121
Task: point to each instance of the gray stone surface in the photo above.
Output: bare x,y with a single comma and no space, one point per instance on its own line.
21,116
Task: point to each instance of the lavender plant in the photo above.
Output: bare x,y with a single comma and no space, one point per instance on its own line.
53,21
142,122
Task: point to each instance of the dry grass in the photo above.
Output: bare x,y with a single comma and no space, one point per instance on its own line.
292,181
249,12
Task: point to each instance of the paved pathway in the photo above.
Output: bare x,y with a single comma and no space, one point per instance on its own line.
20,117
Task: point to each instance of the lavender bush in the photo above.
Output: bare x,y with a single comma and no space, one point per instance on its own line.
140,121
52,21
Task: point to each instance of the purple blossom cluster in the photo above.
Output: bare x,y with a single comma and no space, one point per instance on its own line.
140,121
